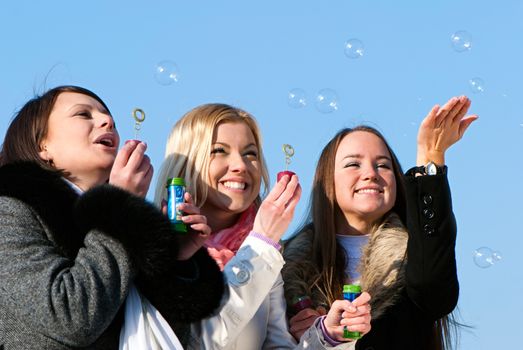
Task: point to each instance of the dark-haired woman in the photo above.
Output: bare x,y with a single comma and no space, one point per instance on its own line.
393,234
76,234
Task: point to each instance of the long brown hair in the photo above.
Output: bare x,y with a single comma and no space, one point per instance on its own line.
23,138
328,256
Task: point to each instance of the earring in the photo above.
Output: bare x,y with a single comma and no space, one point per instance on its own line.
48,160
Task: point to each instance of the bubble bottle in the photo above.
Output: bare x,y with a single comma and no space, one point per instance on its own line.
175,196
351,292
300,303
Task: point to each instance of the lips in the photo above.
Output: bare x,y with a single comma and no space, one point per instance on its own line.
369,190
107,139
234,184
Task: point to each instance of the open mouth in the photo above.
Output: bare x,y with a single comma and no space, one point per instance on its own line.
106,140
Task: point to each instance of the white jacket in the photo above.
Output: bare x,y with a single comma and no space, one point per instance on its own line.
252,315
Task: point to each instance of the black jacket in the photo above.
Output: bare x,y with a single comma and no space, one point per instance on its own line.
409,271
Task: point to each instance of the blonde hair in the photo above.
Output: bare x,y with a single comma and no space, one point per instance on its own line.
188,149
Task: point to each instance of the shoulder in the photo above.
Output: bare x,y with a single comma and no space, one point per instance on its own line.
299,244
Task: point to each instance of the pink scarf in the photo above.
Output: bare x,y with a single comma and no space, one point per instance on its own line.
224,244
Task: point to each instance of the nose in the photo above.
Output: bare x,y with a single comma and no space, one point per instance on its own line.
105,121
370,172
237,163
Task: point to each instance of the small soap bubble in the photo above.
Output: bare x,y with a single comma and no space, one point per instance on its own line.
327,101
461,41
354,48
166,73
484,257
477,85
297,98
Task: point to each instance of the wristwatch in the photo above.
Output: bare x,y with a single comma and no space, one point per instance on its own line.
428,169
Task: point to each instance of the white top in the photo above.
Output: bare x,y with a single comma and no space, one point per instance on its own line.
353,249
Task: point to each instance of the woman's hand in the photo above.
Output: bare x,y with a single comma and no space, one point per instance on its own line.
198,230
355,316
302,321
441,128
132,169
276,211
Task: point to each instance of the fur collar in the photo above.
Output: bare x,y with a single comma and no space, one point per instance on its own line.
383,264
382,267
49,196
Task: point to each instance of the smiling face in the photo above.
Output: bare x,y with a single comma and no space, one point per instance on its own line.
364,180
234,171
81,139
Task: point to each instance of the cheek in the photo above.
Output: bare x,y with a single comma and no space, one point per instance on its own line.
392,190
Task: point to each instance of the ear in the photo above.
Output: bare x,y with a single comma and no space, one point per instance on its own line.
43,153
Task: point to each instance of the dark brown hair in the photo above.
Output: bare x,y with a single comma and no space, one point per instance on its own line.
23,138
327,255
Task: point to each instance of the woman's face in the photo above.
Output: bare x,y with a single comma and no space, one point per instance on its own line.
234,170
81,139
364,180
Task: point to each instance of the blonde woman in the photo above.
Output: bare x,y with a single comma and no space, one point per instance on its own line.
216,148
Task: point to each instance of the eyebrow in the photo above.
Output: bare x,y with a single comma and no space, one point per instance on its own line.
360,156
227,145
88,106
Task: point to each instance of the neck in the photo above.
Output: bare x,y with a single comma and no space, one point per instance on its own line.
353,227
87,182
218,220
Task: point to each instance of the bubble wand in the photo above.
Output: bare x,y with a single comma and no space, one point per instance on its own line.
139,117
288,150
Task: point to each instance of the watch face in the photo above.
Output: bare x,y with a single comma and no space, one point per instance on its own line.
431,169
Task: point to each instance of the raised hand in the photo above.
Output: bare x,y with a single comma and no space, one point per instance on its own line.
441,128
276,211
132,169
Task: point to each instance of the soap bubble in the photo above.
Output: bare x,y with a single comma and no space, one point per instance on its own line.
297,98
461,41
354,48
166,73
477,85
485,257
327,101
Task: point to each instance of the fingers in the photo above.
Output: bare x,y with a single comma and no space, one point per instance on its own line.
138,157
283,191
321,310
464,107
445,110
304,314
465,123
430,119
302,321
364,298
123,154
163,206
288,193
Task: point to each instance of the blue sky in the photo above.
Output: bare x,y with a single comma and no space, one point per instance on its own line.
251,54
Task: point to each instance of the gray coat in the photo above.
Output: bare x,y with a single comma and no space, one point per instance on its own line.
66,263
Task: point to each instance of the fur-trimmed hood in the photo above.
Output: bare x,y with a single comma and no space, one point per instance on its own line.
382,267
